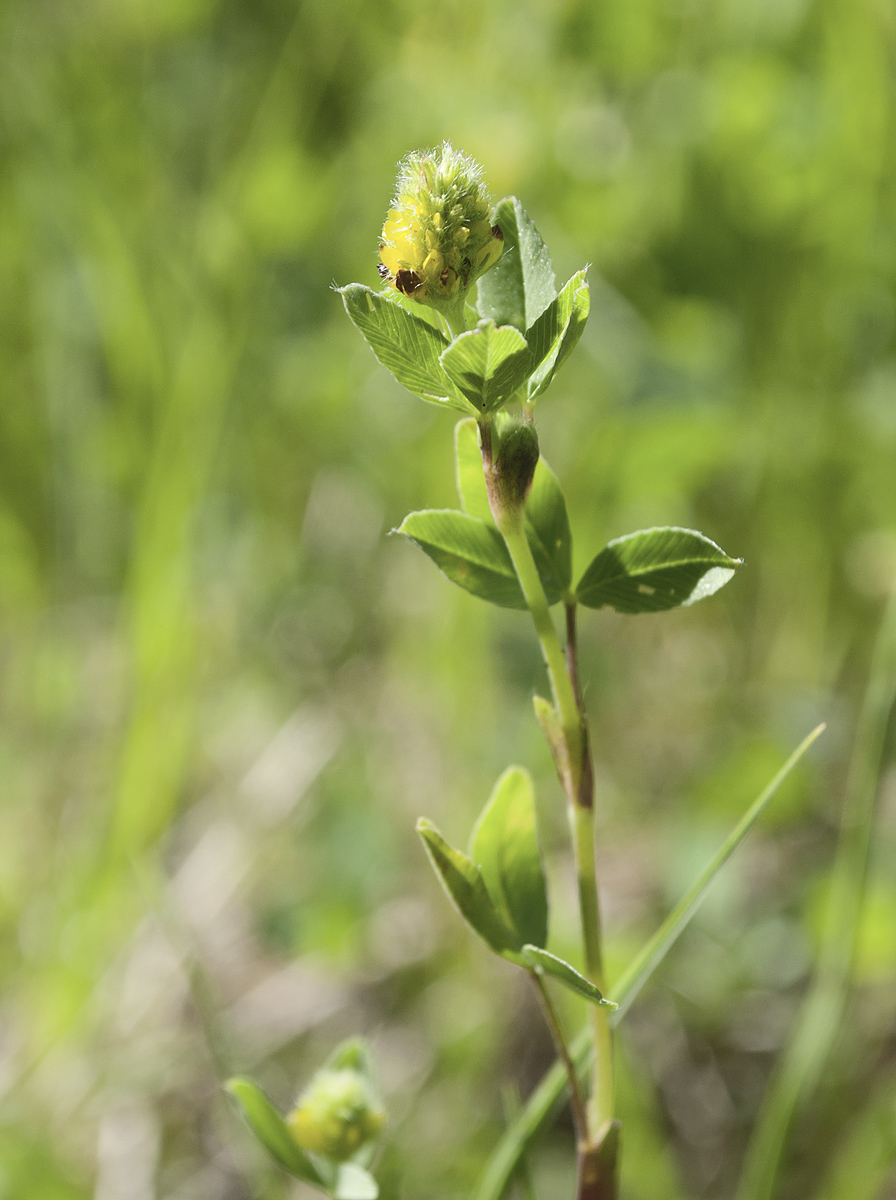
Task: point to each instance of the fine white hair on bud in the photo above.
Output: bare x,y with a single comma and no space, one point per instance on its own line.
438,237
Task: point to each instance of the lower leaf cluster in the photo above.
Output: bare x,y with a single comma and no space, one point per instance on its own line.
499,888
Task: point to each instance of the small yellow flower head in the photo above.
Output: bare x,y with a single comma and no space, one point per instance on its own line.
438,237
336,1114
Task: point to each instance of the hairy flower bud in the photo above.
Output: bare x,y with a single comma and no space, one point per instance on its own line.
515,465
336,1114
438,237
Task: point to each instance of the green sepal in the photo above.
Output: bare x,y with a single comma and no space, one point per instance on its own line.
488,365
655,570
470,552
466,889
544,963
405,344
504,846
354,1055
518,289
354,1183
272,1131
556,333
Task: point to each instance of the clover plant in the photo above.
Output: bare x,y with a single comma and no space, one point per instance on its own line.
489,355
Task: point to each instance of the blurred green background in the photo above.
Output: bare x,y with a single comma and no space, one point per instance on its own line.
226,695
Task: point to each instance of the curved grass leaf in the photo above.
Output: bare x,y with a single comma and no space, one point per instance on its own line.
545,1101
518,289
654,570
504,846
354,1183
466,889
488,364
471,553
272,1131
556,333
406,345
820,1016
652,954
549,964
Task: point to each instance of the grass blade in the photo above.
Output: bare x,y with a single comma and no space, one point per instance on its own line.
640,970
819,1018
548,1097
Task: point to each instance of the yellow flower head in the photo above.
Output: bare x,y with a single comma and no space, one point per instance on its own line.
438,237
336,1115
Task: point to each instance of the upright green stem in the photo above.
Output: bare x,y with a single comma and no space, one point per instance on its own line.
600,1108
512,525
597,1165
561,686
579,1111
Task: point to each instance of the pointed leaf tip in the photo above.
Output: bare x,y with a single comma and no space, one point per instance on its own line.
655,570
518,289
556,333
405,344
504,846
466,889
271,1130
543,962
469,552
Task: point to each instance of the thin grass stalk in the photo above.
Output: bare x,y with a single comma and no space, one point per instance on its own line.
820,1015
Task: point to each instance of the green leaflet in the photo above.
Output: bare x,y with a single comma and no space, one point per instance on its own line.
556,333
466,889
504,846
544,963
521,286
654,570
471,553
406,345
520,291
272,1131
488,365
